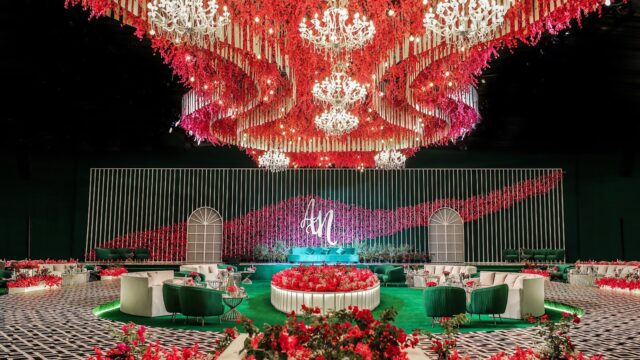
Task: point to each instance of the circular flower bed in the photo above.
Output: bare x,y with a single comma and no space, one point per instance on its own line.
324,287
325,278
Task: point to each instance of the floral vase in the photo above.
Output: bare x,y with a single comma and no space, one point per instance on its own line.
231,283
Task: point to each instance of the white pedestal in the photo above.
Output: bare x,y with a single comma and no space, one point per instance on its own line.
40,287
109,277
75,278
291,300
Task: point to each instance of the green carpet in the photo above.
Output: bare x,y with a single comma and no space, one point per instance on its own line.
258,307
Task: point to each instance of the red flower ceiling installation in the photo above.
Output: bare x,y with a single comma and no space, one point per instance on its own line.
252,79
350,222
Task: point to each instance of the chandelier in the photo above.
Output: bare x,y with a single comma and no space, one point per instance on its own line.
191,21
274,160
390,160
333,34
465,22
339,90
336,121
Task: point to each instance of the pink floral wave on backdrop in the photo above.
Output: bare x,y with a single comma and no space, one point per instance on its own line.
282,221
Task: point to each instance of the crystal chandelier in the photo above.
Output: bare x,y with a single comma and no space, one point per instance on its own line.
336,121
464,22
339,90
191,21
333,34
390,160
274,160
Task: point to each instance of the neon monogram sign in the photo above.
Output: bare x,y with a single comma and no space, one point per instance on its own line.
317,224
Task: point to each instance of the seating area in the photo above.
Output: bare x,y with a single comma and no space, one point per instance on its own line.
537,255
322,255
122,254
389,275
525,292
192,301
141,293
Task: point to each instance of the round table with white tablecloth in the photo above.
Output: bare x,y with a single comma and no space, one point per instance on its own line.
421,280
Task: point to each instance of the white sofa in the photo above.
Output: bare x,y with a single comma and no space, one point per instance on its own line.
57,269
526,292
455,270
141,293
210,271
605,270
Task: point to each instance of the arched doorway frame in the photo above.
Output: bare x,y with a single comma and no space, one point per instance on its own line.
204,236
446,236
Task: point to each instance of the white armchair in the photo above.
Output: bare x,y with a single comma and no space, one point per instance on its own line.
210,271
526,292
141,293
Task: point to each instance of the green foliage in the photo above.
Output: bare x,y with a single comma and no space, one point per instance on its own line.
279,252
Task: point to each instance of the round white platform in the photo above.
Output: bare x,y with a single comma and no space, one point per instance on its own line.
291,300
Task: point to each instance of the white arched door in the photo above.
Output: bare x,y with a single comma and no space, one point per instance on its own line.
204,236
446,236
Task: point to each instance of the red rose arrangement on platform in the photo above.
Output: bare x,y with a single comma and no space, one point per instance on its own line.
113,272
535,271
23,281
325,278
631,285
432,284
232,289
229,268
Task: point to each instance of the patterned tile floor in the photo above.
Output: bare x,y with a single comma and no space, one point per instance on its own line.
59,324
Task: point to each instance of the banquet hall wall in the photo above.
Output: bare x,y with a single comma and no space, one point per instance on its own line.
45,196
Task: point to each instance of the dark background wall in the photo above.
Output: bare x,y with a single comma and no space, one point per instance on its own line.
88,94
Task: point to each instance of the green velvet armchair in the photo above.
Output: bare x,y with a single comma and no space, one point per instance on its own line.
489,301
141,254
5,277
107,254
510,255
390,275
443,301
555,255
200,302
171,298
561,272
527,254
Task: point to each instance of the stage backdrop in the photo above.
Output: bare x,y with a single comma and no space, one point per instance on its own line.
453,214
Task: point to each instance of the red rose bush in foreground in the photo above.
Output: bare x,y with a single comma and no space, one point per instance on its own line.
132,344
345,334
555,341
325,278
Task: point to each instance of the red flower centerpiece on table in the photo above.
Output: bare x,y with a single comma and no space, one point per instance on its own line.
325,278
232,289
432,284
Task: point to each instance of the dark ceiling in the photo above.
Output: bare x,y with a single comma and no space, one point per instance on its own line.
74,85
